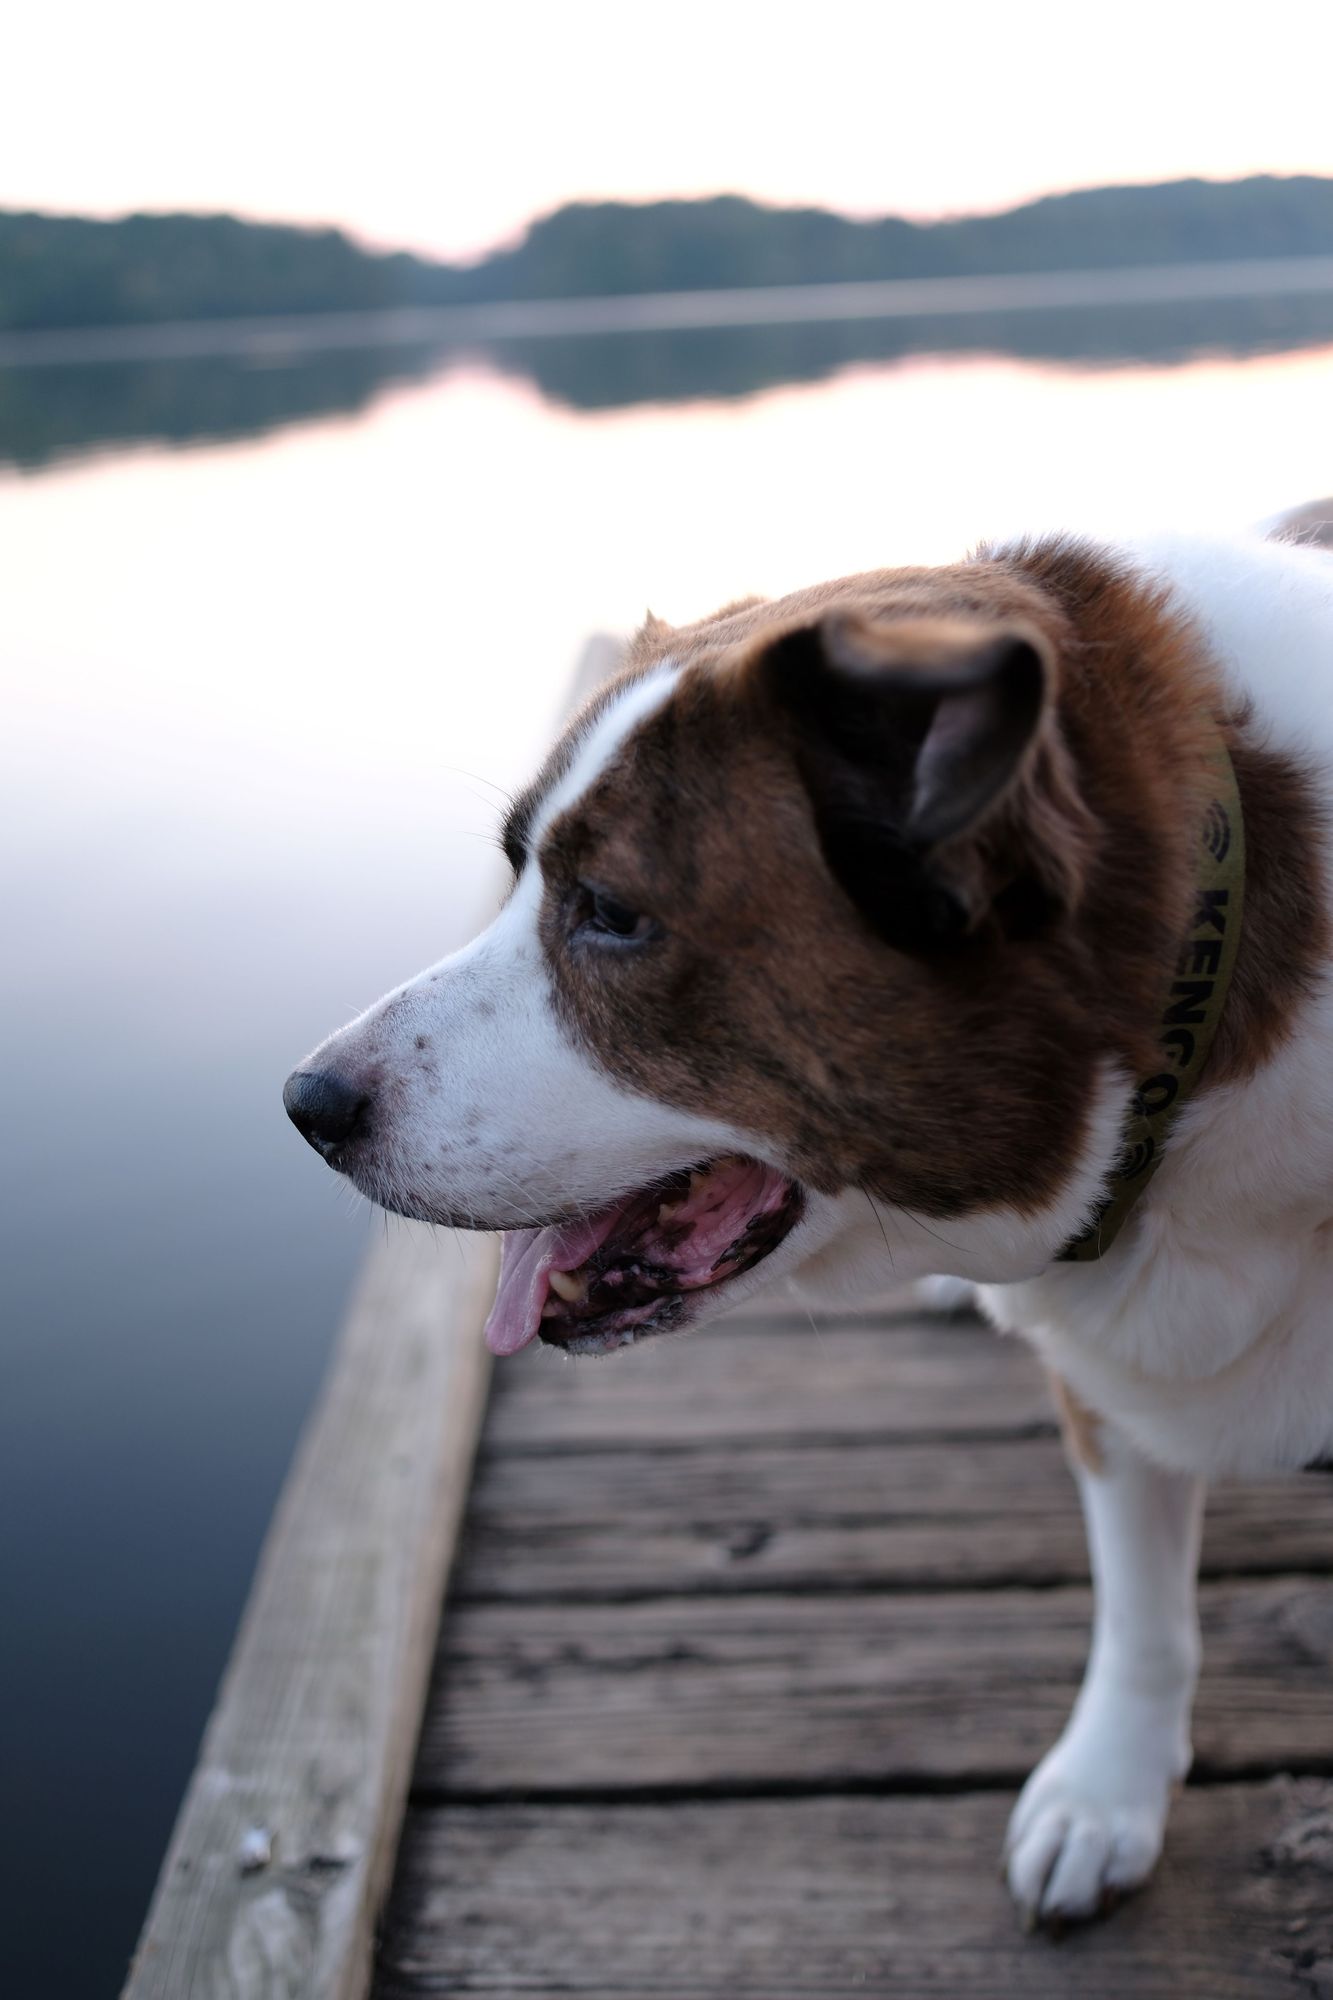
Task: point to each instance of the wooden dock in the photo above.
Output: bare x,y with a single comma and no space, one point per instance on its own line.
752,1638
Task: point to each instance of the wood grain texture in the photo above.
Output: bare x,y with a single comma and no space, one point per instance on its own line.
839,1898
858,1514
753,1692
309,1750
776,1378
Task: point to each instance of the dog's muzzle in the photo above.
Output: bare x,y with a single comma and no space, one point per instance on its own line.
329,1112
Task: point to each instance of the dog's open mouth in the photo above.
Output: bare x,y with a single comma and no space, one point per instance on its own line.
630,1270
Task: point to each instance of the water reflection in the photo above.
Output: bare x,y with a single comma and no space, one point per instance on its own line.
48,414
52,414
715,363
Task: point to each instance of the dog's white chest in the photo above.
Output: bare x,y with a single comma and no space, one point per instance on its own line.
1208,1331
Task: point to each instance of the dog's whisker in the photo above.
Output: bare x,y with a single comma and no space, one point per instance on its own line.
923,1224
461,771
882,1230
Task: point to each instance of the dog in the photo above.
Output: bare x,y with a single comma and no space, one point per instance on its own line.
899,925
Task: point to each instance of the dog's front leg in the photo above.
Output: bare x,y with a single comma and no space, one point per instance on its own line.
1090,1820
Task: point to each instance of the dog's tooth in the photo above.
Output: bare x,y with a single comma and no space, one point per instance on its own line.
567,1285
667,1210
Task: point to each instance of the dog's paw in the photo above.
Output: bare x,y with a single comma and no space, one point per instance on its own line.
1087,1829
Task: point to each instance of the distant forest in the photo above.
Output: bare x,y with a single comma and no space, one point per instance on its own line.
64,271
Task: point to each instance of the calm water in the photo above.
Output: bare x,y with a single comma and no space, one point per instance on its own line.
271,635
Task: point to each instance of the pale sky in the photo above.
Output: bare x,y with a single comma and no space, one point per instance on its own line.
444,127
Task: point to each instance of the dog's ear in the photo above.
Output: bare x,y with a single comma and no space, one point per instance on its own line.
929,752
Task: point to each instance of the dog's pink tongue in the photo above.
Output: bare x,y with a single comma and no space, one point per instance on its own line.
527,1260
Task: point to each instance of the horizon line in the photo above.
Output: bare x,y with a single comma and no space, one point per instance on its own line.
495,322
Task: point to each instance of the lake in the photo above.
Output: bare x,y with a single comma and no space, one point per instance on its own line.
280,627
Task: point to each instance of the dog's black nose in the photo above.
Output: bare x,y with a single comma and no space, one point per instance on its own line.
325,1109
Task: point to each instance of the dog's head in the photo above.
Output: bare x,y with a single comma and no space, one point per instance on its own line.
790,943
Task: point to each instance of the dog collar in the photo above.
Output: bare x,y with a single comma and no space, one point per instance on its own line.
1190,1017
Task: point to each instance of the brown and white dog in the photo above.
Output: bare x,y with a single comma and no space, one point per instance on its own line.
838,938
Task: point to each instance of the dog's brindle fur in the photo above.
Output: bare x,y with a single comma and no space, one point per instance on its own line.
773,999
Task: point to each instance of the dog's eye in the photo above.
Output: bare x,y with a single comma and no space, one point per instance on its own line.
601,918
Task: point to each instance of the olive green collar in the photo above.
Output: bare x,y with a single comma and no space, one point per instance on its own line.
1190,1016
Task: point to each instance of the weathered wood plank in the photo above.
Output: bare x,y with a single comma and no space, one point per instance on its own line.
305,1763
734,1693
828,1516
835,1899
776,1378
309,1749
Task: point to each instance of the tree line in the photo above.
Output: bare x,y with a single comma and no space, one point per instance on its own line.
62,271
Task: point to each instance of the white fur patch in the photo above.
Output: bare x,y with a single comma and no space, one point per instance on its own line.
602,741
